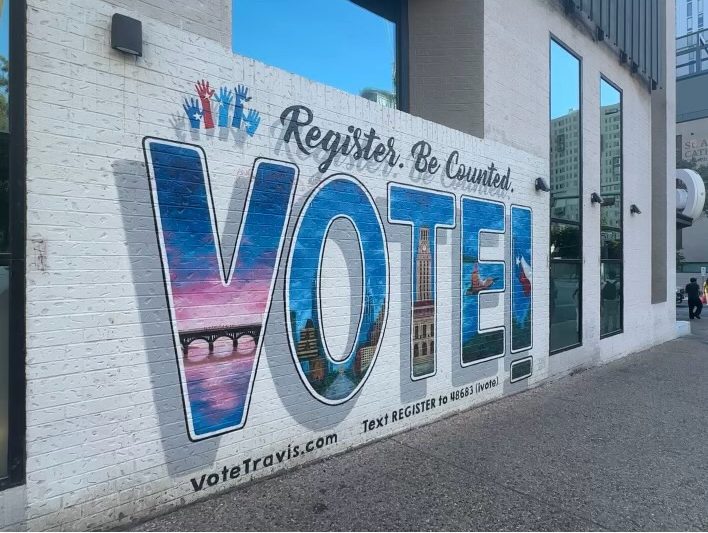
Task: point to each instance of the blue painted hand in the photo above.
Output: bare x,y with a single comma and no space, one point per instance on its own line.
241,97
253,119
224,98
193,112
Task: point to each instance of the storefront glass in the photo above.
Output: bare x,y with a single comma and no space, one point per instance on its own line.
5,226
566,213
611,209
4,366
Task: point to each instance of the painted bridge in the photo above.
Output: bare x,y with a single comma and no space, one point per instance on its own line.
210,336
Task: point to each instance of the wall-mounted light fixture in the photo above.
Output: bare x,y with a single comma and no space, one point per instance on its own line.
127,35
634,209
541,185
595,198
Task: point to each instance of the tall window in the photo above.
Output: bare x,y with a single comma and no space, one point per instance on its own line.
5,256
336,42
611,275
566,213
11,241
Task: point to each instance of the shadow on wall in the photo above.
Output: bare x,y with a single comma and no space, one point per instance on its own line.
181,455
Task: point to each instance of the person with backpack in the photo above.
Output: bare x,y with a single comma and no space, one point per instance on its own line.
695,306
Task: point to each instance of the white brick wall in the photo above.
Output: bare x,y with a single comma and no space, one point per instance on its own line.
516,82
106,434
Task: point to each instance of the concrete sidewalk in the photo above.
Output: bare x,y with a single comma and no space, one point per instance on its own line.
621,447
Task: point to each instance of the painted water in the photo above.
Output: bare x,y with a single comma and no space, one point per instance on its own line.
218,384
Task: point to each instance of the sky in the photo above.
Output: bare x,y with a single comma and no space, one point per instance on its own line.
331,41
5,28
565,81
608,94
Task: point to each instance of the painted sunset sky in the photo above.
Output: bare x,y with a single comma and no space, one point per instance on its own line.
217,388
200,296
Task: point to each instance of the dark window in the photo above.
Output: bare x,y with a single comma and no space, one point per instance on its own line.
611,279
565,300
336,42
12,241
4,243
565,241
566,251
4,367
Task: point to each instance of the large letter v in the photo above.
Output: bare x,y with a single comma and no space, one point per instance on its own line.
218,315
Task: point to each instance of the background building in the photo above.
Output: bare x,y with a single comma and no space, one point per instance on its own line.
691,128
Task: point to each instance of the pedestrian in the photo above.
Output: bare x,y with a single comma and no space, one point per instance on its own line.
695,306
705,292
610,303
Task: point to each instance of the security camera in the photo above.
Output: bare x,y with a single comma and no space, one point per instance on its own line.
634,209
541,185
596,198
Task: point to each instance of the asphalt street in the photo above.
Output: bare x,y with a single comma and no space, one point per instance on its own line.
622,447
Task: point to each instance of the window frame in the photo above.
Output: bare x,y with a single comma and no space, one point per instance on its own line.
15,258
553,38
395,11
619,261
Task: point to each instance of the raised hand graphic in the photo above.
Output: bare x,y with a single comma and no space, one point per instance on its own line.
205,93
253,119
241,97
224,98
194,114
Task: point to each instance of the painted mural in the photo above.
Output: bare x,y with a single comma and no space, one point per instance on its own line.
219,308
424,211
521,279
334,378
480,277
200,110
